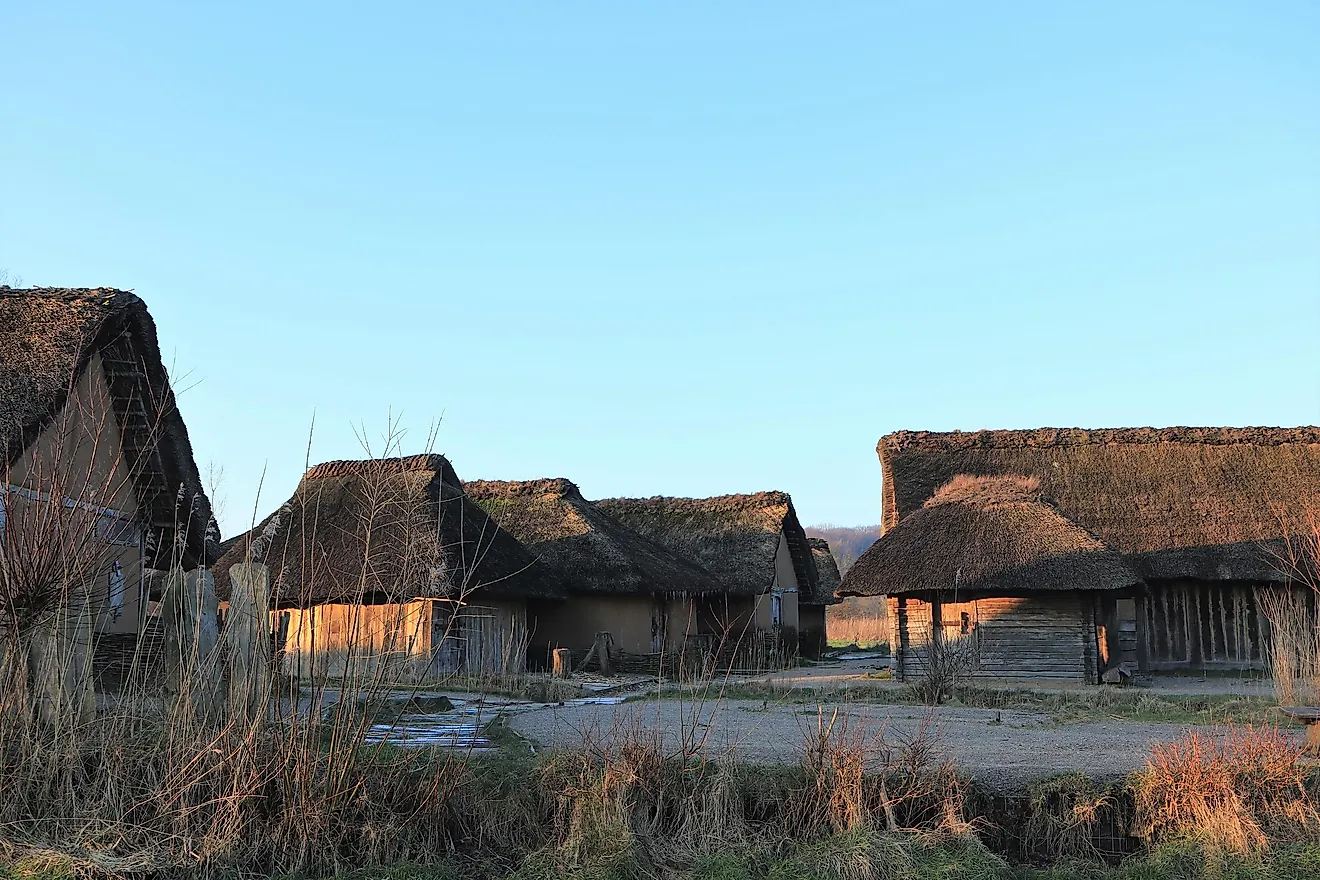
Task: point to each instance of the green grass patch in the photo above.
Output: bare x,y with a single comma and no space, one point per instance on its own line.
1063,707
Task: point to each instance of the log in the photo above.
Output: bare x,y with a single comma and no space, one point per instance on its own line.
247,635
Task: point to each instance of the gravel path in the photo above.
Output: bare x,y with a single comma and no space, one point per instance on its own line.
1002,749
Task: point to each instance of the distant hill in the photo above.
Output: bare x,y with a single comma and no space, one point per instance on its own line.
846,542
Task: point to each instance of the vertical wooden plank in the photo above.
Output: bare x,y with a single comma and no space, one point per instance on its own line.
1143,644
1192,610
247,635
59,657
192,673
1090,635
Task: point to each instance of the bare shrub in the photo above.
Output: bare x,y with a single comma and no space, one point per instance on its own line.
838,756
947,663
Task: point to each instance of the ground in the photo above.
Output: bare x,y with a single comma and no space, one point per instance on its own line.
1003,734
1002,748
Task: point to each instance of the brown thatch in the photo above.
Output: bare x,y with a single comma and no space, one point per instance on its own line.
734,537
1203,503
47,338
987,535
827,575
588,549
385,530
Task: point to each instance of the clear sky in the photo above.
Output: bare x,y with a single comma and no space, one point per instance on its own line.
680,249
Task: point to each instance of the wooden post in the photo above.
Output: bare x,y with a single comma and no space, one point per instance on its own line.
247,635
562,663
604,641
192,675
59,657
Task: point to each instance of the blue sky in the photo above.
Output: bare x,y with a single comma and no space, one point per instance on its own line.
679,249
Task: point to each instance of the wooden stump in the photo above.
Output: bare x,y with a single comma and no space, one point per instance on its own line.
561,663
247,636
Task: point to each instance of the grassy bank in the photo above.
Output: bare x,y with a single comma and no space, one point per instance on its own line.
144,801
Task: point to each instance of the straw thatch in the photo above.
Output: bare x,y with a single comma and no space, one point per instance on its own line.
734,537
47,338
988,535
586,548
385,530
827,575
1204,503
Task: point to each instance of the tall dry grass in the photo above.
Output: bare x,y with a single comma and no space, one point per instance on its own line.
1236,792
862,631
1293,611
150,784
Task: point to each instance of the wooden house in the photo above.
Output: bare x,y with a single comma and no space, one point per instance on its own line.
1196,516
617,580
386,563
755,548
812,636
992,562
99,481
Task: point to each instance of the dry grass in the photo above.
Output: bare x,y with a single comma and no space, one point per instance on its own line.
1237,792
1294,614
864,632
1294,645
1063,814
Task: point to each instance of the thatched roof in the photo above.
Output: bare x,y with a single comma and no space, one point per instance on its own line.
385,530
988,535
588,549
827,575
1201,503
734,537
47,338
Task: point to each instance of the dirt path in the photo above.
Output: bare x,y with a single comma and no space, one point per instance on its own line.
1000,748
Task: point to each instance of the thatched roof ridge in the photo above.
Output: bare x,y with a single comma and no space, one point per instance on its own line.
380,467
589,550
827,575
995,535
1204,503
385,530
734,537
48,336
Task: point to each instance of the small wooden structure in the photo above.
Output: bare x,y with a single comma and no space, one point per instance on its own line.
385,567
1310,716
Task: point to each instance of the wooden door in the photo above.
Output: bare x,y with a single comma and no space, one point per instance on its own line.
445,638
